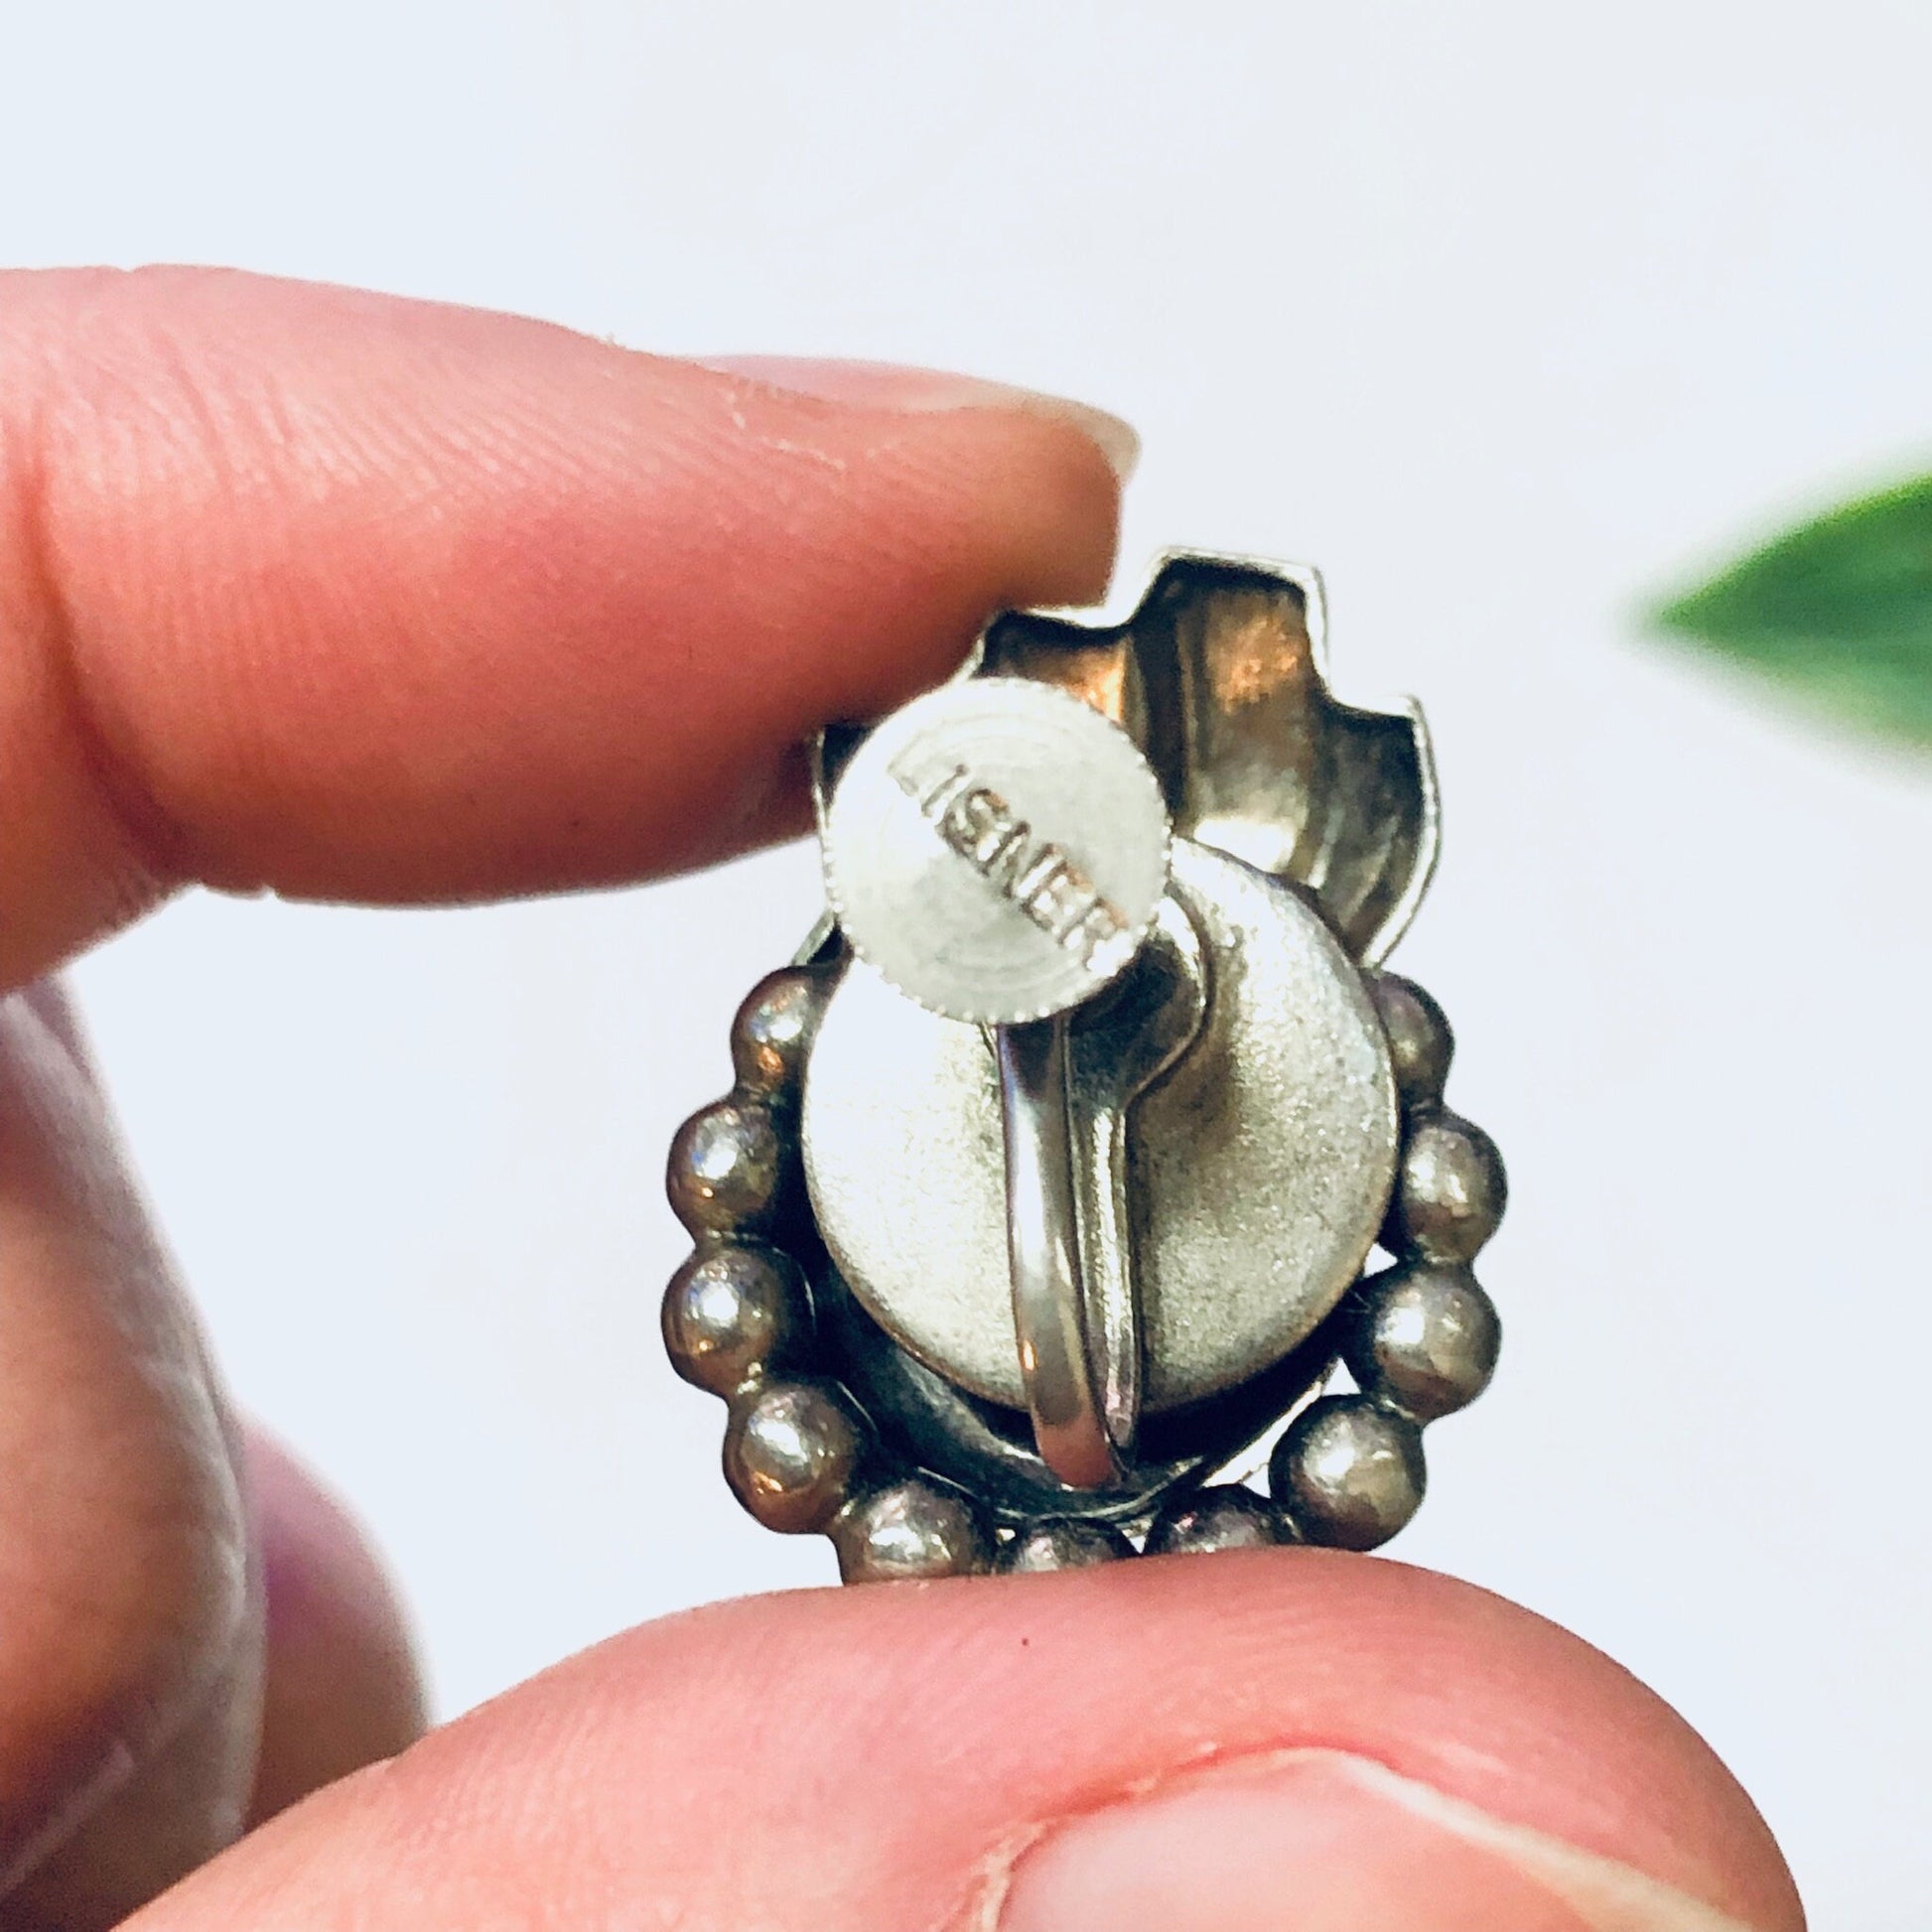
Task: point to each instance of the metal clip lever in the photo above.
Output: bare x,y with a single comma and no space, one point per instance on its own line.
1067,1086
1050,1322
997,852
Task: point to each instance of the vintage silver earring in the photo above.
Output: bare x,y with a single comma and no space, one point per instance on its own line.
1045,1196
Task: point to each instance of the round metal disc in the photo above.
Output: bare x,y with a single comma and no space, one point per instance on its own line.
996,851
1259,1169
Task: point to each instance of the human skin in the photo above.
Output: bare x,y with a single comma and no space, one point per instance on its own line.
319,592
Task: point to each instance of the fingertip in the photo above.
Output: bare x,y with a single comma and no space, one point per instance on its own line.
343,1689
919,390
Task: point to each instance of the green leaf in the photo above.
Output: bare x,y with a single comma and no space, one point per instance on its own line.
1838,610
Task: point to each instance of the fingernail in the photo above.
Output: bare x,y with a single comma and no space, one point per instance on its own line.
894,385
1319,1840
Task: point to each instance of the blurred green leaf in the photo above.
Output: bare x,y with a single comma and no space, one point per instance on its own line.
1838,610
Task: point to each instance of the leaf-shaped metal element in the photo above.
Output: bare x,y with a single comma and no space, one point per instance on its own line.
1220,677
1838,610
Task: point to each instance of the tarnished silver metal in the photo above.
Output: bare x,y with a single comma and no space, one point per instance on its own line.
996,851
1421,1044
1348,1472
773,1032
1070,1544
1242,1242
1055,1170
1230,1518
1048,1287
726,1167
909,1529
1451,1192
790,1449
1221,676
1126,1043
731,1313
1425,1339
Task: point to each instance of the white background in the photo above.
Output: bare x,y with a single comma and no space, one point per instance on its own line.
1506,315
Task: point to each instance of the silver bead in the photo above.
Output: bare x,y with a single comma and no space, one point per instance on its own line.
909,1529
1450,1189
1224,1518
1426,1339
774,1033
729,1312
790,1453
1349,1474
1069,1544
727,1169
1421,1044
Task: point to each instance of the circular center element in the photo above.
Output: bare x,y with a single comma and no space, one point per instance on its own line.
997,851
1258,1168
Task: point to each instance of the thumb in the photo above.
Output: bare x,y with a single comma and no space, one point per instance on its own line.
1269,1741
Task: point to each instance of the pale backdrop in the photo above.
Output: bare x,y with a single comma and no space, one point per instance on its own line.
1501,313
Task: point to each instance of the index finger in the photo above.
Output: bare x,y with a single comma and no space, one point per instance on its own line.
357,598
